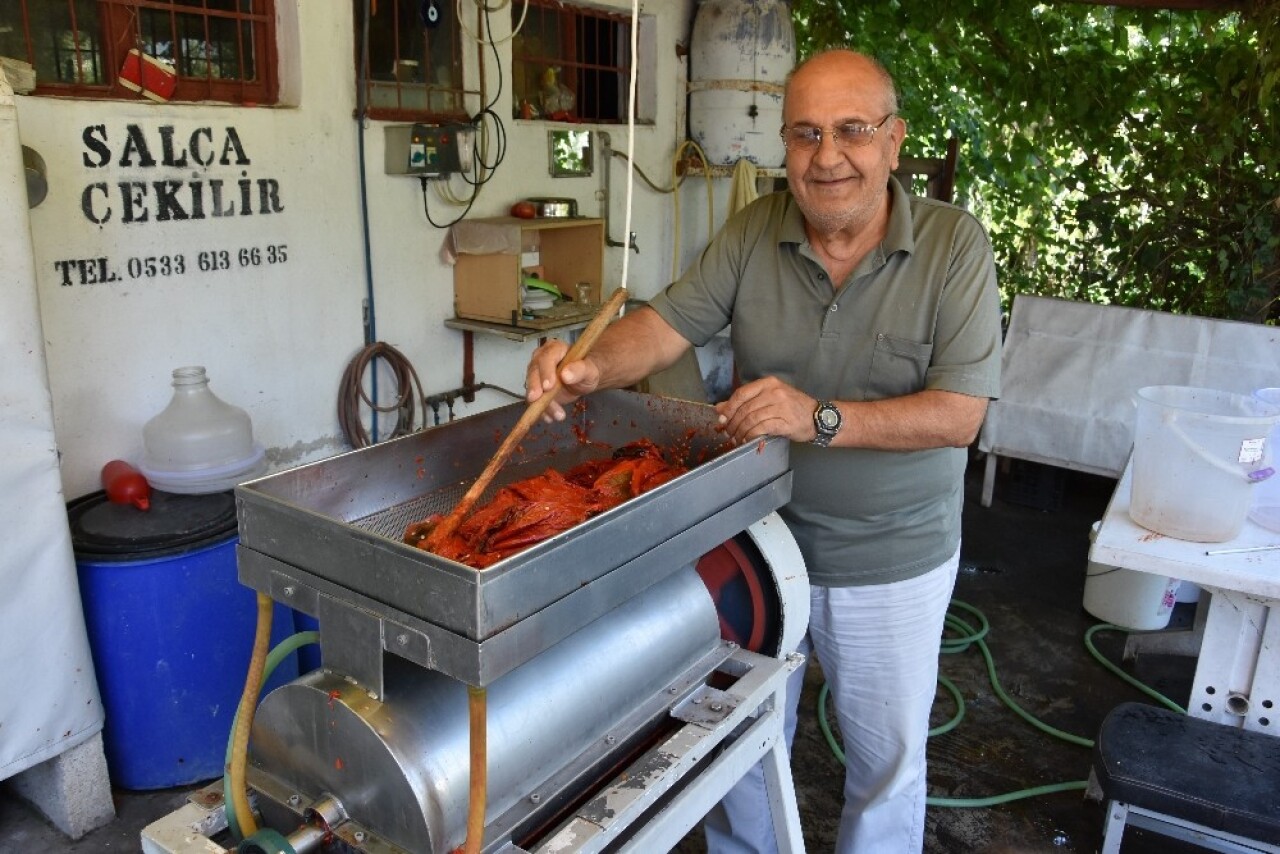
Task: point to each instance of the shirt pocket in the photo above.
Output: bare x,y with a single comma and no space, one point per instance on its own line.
898,367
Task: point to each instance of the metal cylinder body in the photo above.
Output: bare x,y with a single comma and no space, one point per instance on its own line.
400,766
740,54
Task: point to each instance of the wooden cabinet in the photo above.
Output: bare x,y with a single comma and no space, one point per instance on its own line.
494,255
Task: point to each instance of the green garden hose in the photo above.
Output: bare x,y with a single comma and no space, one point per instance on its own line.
965,637
279,653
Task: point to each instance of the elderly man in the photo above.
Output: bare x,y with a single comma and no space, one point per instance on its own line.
866,329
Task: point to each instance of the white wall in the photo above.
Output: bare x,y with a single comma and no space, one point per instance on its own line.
276,337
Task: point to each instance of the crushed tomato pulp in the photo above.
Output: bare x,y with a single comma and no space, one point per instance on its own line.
537,508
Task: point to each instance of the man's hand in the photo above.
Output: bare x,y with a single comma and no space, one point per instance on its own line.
631,348
576,378
768,407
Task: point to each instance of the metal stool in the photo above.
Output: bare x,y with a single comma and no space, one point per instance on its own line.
1199,781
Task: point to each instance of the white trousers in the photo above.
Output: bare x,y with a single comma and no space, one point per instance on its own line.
878,646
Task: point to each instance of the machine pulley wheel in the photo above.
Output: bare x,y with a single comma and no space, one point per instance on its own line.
733,578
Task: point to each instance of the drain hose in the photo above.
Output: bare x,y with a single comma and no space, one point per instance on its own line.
477,708
282,651
244,717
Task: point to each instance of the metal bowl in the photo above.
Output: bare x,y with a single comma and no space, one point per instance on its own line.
555,208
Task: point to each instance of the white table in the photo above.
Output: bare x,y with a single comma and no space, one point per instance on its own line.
1237,678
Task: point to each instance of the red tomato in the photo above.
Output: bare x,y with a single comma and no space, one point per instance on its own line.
524,210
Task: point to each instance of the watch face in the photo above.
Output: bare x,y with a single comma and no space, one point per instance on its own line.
826,419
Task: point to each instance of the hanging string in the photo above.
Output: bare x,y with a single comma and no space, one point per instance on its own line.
631,136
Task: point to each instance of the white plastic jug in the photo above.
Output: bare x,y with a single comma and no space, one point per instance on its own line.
199,443
1197,455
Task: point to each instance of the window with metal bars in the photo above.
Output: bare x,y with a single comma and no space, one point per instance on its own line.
570,63
414,65
216,50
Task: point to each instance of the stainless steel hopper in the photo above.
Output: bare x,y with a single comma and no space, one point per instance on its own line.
325,538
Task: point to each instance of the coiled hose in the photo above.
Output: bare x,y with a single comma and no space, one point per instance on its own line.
352,396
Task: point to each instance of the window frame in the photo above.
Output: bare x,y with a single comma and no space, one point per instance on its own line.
118,32
573,68
401,112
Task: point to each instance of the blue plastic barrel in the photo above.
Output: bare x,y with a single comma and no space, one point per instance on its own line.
171,632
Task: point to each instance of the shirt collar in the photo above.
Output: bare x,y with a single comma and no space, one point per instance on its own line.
900,234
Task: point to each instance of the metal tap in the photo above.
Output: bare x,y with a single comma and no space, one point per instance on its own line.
631,244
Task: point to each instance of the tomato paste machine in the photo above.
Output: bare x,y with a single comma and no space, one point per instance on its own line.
634,664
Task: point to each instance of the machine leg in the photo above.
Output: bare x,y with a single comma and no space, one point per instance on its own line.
782,798
663,831
757,701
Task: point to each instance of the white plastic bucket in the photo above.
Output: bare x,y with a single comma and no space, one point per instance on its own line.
1266,495
1124,597
1197,454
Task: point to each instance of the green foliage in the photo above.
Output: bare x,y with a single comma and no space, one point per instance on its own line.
1115,155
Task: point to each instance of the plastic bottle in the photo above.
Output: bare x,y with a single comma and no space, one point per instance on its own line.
124,484
196,431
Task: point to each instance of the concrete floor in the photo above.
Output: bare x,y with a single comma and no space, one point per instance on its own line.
1023,563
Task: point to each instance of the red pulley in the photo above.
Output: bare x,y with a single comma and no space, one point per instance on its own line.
724,568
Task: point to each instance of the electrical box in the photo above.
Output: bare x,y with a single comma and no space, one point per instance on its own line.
428,151
563,251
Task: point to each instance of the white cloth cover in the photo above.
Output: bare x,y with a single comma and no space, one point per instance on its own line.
1070,371
50,700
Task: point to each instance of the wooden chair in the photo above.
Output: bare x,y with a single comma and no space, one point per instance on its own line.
939,173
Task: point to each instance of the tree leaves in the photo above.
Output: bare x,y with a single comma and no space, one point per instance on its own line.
1115,154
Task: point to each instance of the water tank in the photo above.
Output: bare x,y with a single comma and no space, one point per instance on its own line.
739,56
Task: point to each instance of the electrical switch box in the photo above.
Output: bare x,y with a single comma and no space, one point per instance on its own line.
428,151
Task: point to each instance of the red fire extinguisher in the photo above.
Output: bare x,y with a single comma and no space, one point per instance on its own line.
126,485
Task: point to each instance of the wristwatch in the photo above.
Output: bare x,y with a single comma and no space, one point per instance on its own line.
827,421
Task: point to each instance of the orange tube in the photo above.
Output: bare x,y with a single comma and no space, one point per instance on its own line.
244,719
477,716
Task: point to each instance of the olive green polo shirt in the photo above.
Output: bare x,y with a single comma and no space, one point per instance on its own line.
921,311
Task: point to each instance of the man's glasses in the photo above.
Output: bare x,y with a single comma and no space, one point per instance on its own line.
848,135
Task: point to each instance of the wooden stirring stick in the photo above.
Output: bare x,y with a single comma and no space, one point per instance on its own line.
442,531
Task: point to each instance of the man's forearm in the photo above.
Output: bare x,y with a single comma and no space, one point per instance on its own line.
635,346
927,419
